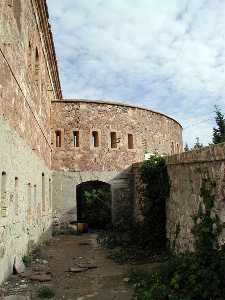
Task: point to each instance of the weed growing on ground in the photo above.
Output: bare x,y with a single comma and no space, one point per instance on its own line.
131,240
27,259
190,276
46,292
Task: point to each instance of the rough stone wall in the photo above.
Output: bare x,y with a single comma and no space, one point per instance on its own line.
152,132
25,209
138,192
186,171
28,82
28,76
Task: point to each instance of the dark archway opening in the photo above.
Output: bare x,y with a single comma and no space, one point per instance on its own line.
94,203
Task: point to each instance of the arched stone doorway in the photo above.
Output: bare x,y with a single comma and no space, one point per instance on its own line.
94,202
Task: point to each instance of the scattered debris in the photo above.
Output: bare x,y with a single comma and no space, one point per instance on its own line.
19,266
77,270
77,257
84,243
16,297
45,262
41,268
41,277
88,266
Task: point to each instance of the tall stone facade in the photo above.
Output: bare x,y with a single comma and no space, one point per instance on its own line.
99,140
28,82
50,145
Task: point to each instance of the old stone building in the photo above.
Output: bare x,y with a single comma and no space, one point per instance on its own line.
28,82
41,163
97,140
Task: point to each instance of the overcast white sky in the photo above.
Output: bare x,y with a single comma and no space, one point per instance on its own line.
168,55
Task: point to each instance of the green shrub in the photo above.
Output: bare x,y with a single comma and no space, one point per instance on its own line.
137,240
97,211
27,259
191,276
46,292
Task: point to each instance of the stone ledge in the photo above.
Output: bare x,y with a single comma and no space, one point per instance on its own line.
211,153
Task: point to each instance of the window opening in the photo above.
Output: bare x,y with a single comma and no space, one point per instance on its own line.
95,139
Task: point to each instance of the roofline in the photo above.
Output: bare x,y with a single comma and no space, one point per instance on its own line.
45,28
116,103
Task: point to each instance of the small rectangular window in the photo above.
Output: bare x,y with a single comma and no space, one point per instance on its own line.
35,194
95,139
50,193
29,193
58,138
16,196
43,191
113,140
76,139
130,141
172,148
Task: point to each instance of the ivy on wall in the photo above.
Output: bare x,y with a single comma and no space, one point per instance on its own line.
198,275
157,189
138,239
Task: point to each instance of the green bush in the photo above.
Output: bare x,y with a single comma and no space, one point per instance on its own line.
97,211
46,292
138,240
27,259
157,189
191,276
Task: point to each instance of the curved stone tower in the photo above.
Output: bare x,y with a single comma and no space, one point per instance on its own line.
100,140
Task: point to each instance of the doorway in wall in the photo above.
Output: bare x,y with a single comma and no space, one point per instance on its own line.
94,203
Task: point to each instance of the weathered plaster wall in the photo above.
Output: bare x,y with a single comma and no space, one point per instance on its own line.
64,191
28,77
186,171
28,82
152,132
25,209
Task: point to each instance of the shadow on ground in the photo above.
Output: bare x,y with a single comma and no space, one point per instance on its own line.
73,267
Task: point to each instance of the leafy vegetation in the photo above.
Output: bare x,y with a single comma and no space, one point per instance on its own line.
157,188
97,211
46,292
190,276
94,204
219,131
186,147
27,259
197,144
132,240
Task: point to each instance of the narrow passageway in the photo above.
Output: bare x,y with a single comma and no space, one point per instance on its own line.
78,268
104,280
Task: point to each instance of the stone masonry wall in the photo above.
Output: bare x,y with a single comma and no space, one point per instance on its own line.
28,77
25,199
186,171
151,132
28,82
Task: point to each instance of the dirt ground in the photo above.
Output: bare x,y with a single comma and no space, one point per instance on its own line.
74,267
